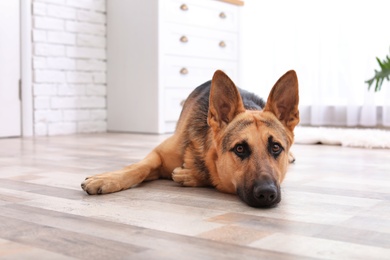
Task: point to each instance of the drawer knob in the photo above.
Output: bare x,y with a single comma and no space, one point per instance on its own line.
222,44
184,39
222,15
184,71
184,7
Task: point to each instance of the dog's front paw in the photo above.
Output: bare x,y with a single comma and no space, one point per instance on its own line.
291,157
101,184
185,177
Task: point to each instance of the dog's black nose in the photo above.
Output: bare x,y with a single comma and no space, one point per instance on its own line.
266,194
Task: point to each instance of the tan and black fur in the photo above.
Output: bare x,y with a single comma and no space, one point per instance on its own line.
226,138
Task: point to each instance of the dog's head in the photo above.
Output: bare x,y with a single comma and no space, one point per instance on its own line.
252,147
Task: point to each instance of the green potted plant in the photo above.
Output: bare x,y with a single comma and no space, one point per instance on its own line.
381,75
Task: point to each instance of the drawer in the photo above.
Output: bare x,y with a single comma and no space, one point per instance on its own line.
173,100
182,72
203,13
199,42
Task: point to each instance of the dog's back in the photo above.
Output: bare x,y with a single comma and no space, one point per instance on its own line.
195,109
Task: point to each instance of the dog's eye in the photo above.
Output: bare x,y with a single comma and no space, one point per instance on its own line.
276,148
242,150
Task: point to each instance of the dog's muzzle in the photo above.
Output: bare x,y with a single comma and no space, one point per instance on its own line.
262,194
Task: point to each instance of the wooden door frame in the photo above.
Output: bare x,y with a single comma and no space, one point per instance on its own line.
27,109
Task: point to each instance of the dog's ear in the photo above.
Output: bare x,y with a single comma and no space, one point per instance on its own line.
225,101
283,100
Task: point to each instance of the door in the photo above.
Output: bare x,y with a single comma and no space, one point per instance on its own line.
10,104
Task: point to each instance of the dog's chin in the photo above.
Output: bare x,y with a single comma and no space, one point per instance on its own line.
247,196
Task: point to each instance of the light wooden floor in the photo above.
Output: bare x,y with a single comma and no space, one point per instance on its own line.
335,205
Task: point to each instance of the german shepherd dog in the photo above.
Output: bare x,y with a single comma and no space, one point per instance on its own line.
227,138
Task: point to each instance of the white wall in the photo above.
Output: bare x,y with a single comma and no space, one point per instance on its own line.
331,44
69,66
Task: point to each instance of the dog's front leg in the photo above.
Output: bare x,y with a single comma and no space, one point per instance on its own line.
147,169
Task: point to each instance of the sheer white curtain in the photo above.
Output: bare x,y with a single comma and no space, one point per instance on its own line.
331,44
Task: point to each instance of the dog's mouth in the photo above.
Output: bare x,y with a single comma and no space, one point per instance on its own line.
262,194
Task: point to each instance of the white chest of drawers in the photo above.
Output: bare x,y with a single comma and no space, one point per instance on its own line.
158,52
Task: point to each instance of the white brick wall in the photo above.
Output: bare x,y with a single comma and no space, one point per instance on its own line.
69,66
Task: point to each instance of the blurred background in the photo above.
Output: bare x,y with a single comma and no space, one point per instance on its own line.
88,66
332,45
